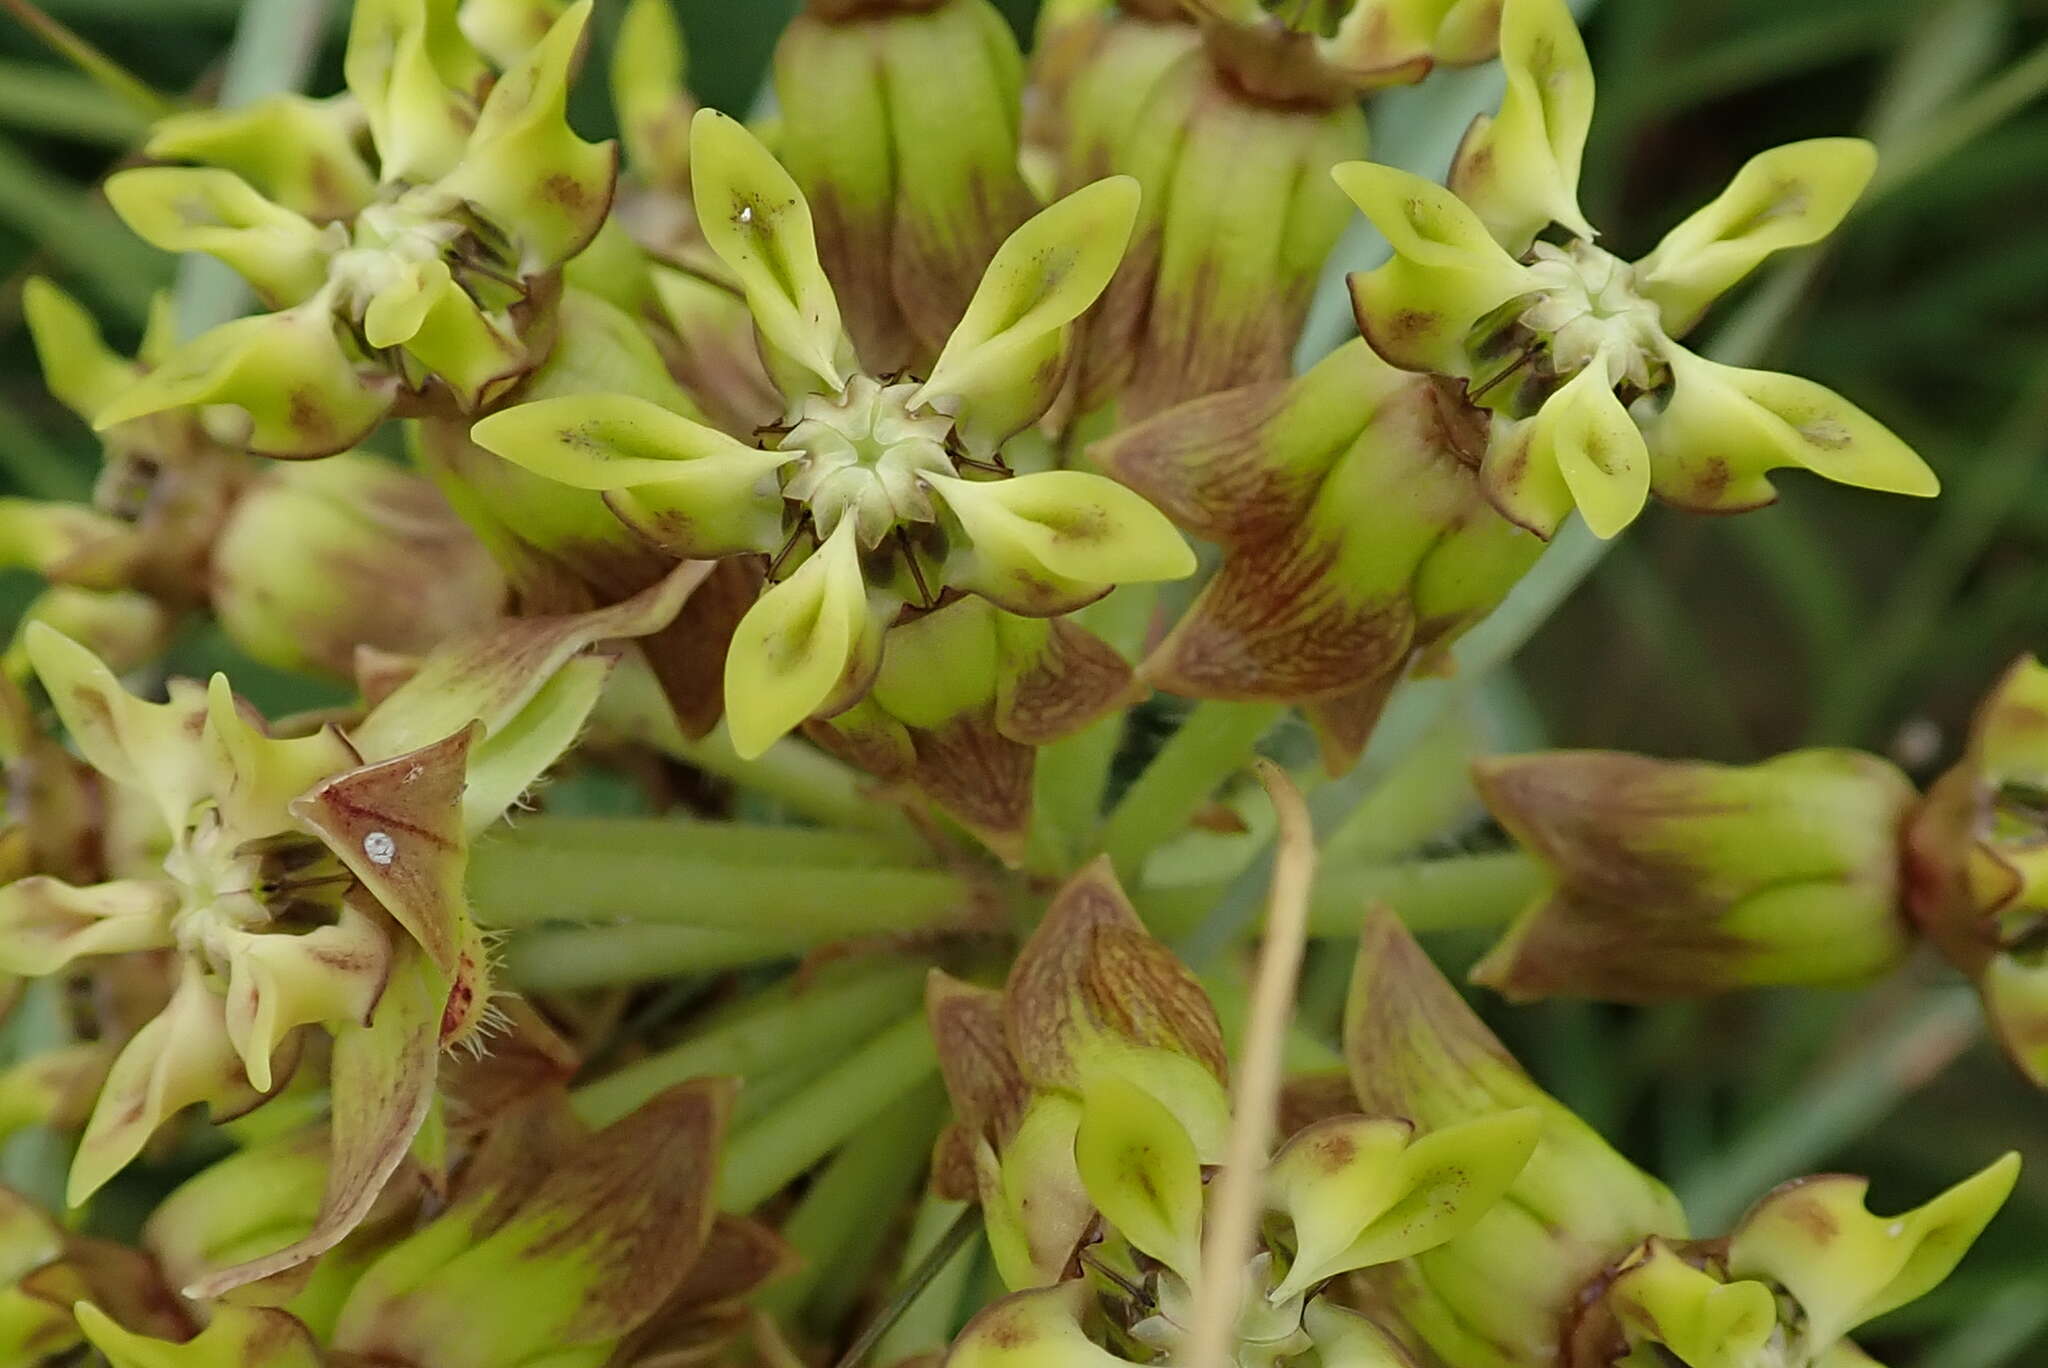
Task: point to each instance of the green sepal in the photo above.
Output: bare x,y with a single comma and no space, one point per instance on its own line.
1032,1200
1346,1339
810,647
1843,1265
1724,427
303,393
79,368
526,169
1050,542
297,151
1003,365
236,1337
204,209
1519,169
757,221
1138,1165
1790,196
1446,273
691,489
1362,1191
588,1253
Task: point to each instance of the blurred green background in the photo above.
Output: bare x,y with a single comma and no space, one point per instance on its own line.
1834,617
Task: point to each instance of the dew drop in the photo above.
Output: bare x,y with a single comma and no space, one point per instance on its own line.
381,849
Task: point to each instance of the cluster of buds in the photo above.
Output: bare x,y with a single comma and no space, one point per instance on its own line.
306,879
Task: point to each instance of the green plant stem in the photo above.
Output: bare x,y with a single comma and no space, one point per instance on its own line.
521,886
1970,515
564,959
1961,122
1073,774
783,1024
1461,893
839,1226
734,843
927,1322
1213,743
1854,1094
766,1155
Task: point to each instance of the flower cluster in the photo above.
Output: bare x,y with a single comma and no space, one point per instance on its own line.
811,497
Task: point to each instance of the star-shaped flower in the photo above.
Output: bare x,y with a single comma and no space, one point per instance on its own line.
1498,282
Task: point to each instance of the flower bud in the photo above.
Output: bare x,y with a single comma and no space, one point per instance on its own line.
1498,1295
1357,540
46,1272
119,625
1682,878
900,125
321,558
1978,869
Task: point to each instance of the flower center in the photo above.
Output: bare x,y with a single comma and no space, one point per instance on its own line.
287,883
1583,311
863,454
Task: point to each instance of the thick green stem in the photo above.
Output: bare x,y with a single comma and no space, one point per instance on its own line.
1457,893
781,1025
732,843
1072,775
927,1324
1804,1131
845,1216
562,959
1214,743
766,1155
514,885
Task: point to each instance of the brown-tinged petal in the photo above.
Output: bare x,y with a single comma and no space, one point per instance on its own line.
982,1078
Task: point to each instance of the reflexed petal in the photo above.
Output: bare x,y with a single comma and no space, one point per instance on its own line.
297,151
182,1055
1842,1264
204,209
412,70
254,776
510,760
525,167
1050,542
694,490
1520,169
79,368
1003,364
303,393
756,219
150,747
1724,427
1346,1339
45,923
810,646
1139,1166
1446,272
1790,196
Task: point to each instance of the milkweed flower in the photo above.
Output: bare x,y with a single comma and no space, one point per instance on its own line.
426,284
878,498
307,881
1498,282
